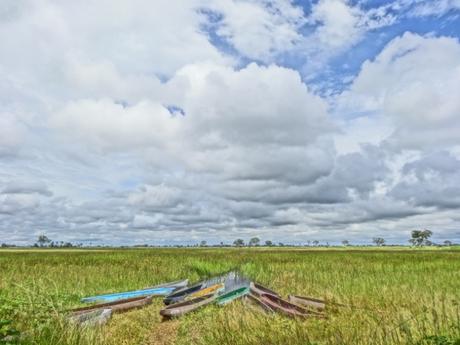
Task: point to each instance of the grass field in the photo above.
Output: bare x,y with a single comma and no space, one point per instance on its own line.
396,296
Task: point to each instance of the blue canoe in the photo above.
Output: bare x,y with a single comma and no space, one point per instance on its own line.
153,291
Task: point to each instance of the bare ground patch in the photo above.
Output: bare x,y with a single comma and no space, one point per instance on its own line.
164,333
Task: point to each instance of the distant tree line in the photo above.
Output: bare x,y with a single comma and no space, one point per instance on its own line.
418,238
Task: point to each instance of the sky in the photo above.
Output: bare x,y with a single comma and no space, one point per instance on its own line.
170,122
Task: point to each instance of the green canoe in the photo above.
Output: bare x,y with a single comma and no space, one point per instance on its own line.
232,295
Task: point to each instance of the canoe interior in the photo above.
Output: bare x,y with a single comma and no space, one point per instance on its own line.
253,300
283,305
128,294
186,291
232,294
180,295
206,291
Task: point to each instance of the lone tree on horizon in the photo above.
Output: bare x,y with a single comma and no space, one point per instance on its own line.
43,240
379,241
345,242
254,241
420,237
238,242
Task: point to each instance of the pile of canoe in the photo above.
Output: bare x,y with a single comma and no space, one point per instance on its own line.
120,302
180,299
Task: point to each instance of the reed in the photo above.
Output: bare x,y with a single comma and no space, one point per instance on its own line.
392,295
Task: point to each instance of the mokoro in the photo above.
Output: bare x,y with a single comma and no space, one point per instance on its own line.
116,306
308,302
179,295
161,291
181,308
257,290
255,301
232,295
206,291
93,317
280,305
179,284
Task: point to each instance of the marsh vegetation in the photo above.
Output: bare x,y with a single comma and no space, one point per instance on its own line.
392,295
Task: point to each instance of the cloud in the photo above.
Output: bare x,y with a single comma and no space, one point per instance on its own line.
266,110
26,187
16,203
156,197
168,122
107,125
412,82
338,23
257,29
11,136
431,181
435,8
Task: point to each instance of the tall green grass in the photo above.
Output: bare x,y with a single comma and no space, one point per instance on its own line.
401,296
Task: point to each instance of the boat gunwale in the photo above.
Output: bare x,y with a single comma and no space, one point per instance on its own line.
303,301
259,289
116,306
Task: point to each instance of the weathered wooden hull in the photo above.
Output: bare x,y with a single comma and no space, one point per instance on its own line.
282,306
93,317
119,306
309,302
256,303
182,308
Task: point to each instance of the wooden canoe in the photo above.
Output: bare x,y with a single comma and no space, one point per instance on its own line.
179,295
206,291
181,308
92,317
308,302
119,306
257,290
159,290
284,307
255,302
232,295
